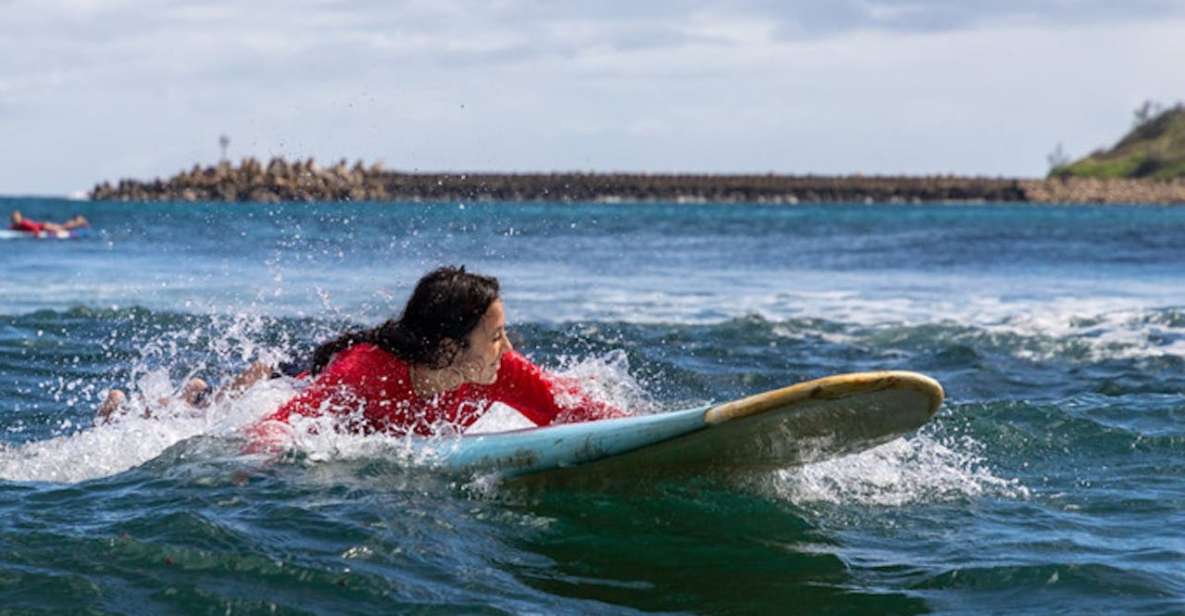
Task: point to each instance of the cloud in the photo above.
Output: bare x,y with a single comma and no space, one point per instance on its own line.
136,88
174,37
822,18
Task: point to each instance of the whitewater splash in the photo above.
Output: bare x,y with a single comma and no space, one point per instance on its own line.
81,452
919,469
154,420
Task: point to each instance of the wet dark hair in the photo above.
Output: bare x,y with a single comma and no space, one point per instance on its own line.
447,304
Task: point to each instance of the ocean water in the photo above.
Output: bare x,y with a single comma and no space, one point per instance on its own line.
1052,480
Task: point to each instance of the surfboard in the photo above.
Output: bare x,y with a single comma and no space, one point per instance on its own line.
800,424
9,234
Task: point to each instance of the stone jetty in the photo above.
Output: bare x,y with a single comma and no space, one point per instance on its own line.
305,180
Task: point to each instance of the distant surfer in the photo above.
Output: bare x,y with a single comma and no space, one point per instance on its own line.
35,227
441,365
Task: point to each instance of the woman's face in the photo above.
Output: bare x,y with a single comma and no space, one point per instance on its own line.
487,342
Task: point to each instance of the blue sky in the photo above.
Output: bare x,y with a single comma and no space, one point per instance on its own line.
93,90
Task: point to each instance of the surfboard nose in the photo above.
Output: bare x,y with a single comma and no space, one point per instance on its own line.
828,388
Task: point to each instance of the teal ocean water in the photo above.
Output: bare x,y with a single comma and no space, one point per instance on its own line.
1052,480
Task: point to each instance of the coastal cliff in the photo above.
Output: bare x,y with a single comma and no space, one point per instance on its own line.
304,180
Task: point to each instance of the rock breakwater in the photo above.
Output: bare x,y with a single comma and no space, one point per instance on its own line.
304,180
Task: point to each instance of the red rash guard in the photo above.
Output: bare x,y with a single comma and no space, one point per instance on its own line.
368,379
28,226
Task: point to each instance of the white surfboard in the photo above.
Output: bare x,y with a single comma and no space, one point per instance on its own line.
9,234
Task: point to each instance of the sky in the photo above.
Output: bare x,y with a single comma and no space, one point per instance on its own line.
94,90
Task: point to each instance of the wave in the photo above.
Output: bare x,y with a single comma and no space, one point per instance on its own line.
71,356
1073,330
1103,383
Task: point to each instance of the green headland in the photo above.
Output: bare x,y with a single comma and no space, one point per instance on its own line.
1153,149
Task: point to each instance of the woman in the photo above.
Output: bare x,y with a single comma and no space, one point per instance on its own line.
439,367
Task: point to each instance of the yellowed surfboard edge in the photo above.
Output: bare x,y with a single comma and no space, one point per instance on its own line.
829,387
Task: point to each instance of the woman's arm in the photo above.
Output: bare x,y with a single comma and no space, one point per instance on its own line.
543,397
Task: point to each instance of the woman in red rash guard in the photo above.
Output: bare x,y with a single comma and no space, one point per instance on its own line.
440,365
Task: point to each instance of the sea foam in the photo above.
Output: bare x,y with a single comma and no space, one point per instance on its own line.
918,469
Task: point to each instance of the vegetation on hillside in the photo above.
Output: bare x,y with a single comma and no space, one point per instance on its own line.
1154,148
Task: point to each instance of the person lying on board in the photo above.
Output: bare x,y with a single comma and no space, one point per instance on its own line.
440,366
20,223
